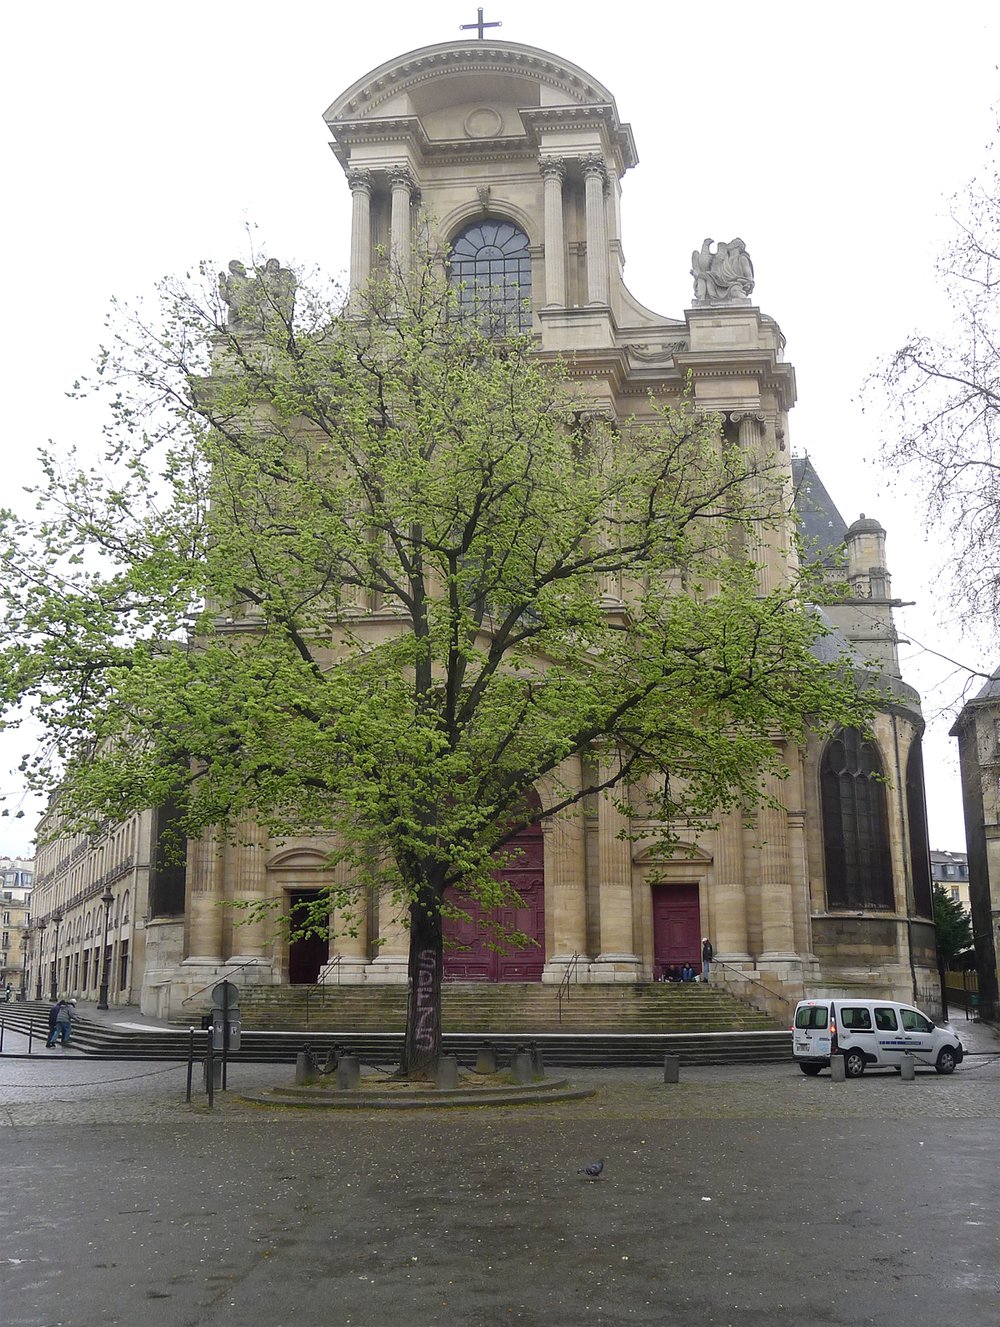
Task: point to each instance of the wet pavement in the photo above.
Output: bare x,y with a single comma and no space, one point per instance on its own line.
742,1195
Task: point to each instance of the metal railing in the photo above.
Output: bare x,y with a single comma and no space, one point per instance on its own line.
769,991
571,974
223,976
321,986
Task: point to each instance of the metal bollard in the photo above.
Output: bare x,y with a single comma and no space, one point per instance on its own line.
671,1068
537,1066
520,1066
907,1068
305,1069
838,1070
447,1072
486,1060
348,1072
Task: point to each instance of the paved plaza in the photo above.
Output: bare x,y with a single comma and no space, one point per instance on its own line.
742,1195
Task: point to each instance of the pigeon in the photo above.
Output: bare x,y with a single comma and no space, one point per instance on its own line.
593,1171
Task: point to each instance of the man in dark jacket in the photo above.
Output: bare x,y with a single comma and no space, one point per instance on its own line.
61,1019
707,954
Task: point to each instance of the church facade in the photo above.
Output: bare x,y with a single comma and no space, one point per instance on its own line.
513,159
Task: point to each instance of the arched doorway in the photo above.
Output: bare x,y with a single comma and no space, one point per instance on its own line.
307,954
676,928
467,954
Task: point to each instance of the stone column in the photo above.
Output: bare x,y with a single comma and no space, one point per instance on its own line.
251,939
391,961
729,911
595,178
614,858
352,916
566,877
204,868
763,536
361,234
553,173
776,910
400,230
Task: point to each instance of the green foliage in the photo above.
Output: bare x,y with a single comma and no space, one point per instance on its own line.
952,923
381,578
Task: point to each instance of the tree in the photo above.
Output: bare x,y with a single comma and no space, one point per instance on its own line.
952,923
944,394
382,577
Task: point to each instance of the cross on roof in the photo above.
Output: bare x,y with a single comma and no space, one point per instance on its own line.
479,25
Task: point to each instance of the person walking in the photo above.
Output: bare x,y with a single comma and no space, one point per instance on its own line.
62,1024
707,954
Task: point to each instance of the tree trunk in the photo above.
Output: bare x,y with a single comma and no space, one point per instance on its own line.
422,1042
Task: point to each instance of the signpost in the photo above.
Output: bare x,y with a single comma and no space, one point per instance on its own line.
226,1023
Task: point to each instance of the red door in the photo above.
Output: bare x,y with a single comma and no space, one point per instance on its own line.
468,955
676,927
307,954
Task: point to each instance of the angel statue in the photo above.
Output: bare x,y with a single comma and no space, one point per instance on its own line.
724,276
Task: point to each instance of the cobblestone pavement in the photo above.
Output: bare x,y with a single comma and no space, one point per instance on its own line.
747,1196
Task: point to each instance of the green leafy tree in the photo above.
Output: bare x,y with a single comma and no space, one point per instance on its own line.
952,923
382,577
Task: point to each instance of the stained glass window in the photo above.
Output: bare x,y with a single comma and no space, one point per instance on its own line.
491,265
855,824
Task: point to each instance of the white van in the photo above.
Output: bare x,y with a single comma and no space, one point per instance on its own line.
869,1034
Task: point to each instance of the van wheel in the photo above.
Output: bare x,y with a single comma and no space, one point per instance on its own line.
854,1064
946,1061
810,1070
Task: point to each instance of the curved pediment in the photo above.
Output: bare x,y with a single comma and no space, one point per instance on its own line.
659,854
299,859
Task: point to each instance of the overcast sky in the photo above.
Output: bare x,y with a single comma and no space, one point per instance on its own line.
140,139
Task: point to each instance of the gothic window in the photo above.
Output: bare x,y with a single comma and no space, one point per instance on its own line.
491,266
855,824
916,815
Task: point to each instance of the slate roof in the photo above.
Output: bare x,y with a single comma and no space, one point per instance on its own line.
822,524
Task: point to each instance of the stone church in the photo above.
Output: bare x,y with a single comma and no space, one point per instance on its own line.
516,159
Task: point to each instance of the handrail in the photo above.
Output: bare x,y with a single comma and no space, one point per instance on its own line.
322,985
777,995
571,972
250,963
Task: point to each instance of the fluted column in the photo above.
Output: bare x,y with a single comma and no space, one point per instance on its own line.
566,874
763,537
614,859
251,939
204,870
595,178
553,173
400,230
729,903
392,957
350,925
776,910
361,234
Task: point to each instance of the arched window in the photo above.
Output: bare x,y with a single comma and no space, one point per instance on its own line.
855,824
916,817
491,265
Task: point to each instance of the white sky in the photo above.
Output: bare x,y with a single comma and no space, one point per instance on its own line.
140,139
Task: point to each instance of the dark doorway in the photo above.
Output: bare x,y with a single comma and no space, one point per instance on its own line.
468,956
676,928
306,955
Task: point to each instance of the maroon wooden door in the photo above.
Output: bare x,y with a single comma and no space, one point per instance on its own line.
468,955
307,955
676,927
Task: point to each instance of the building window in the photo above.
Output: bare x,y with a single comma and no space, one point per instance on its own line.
855,824
491,266
916,819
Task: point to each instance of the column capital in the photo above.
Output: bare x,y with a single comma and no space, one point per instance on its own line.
401,177
552,168
359,181
756,416
594,165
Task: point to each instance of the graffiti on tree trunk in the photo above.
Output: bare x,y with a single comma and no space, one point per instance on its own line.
424,1032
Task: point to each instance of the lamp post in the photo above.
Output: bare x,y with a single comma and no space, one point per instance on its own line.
38,975
54,978
24,967
107,898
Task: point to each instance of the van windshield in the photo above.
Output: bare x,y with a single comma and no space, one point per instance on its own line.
812,1016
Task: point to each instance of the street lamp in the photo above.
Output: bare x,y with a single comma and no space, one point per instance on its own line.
24,967
38,975
53,992
107,898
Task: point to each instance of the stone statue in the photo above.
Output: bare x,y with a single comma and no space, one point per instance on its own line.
236,289
278,293
253,299
724,276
